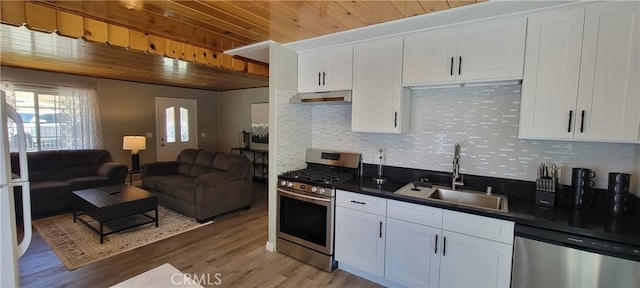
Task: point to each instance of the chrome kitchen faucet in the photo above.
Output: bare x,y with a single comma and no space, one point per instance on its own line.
456,168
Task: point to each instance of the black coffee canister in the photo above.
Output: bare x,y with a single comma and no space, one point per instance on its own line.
581,187
618,193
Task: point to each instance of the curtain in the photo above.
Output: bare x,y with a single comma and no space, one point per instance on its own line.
67,118
83,130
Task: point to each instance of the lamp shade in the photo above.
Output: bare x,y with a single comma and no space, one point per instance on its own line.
134,143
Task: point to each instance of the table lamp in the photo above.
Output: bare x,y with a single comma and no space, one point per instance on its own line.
135,144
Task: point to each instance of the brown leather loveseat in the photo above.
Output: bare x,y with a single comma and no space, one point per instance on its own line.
201,183
53,175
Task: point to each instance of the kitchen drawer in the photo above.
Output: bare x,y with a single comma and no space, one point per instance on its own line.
362,202
478,226
419,214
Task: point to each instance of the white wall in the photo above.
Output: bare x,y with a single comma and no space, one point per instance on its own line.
484,120
234,112
290,125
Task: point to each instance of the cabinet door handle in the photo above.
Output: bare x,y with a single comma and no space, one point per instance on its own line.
319,75
435,250
323,78
444,246
380,229
451,68
582,122
358,202
395,119
460,66
570,116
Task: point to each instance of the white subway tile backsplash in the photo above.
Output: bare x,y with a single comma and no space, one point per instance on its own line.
484,121
293,132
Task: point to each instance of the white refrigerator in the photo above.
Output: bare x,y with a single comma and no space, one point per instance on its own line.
11,250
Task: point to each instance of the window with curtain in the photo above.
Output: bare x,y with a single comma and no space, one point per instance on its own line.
55,118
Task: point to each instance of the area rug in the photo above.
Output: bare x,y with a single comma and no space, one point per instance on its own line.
76,245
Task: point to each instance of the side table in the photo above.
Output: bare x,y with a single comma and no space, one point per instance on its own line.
259,160
131,172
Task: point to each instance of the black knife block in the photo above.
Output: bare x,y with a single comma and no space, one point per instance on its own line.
546,198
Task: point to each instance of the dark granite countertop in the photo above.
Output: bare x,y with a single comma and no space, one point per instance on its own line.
522,211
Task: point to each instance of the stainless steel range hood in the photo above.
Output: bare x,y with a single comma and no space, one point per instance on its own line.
332,97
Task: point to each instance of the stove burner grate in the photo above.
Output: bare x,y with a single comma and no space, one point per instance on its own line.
318,176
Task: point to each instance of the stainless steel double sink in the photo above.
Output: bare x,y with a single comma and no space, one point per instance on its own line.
461,197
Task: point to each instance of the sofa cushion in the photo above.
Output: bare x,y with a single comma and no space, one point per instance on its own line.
215,178
203,163
184,191
236,164
80,183
168,185
81,163
152,182
44,190
187,160
43,165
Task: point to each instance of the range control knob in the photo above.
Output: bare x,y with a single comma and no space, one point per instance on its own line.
289,184
314,189
322,191
283,183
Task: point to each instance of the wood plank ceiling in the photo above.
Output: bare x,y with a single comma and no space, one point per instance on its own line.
191,32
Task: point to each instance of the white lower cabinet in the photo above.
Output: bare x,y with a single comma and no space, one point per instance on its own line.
421,246
469,261
359,236
412,256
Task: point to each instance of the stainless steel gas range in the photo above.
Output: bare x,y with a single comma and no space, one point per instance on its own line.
306,206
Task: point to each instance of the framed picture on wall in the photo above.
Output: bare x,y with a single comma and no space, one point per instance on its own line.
260,126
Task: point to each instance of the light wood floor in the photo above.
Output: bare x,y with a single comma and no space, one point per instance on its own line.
233,246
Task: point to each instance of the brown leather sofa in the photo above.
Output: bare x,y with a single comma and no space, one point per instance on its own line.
53,175
200,183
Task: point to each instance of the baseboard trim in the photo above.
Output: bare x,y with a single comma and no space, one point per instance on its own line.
367,275
270,247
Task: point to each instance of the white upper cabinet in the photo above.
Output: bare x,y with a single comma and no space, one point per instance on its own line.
429,57
581,74
325,70
379,102
552,67
492,50
483,51
608,90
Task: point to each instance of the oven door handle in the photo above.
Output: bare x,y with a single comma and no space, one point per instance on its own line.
305,196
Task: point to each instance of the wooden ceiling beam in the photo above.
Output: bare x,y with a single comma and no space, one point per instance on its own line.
138,16
12,13
39,18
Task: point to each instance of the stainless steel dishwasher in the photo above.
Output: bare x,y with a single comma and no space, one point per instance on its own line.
545,258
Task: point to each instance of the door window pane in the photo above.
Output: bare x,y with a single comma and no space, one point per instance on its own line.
184,124
170,119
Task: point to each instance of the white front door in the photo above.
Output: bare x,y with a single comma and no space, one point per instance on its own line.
176,127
